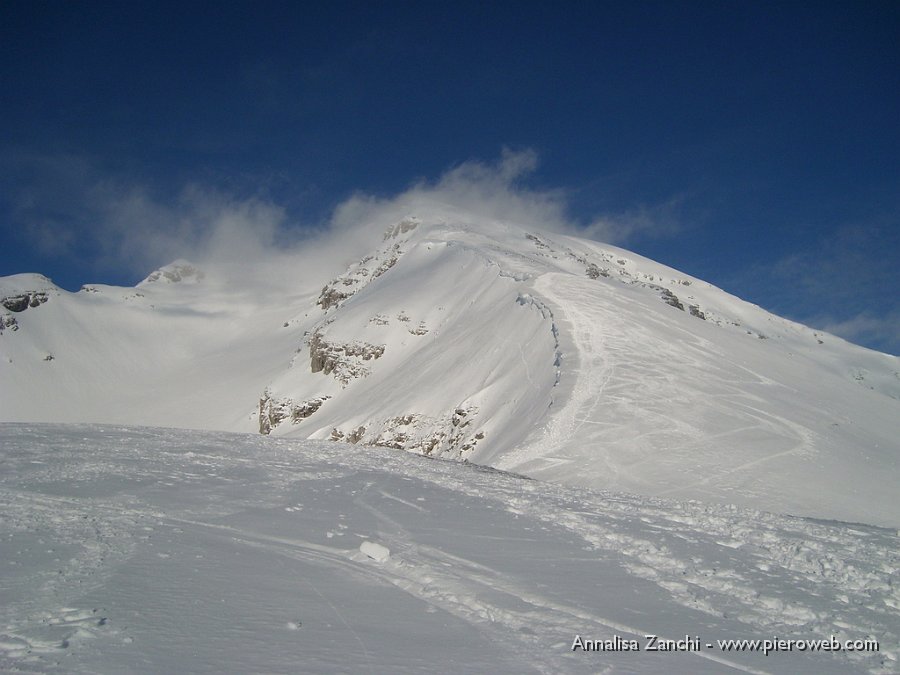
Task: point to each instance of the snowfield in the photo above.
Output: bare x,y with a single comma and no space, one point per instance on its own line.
158,550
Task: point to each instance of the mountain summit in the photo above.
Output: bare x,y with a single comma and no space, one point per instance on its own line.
537,353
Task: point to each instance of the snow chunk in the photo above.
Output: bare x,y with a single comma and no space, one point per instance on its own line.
376,552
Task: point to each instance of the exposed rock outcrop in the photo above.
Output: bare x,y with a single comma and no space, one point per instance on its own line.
8,321
344,360
331,297
595,272
388,263
421,329
537,241
452,436
274,411
355,278
19,303
696,311
175,273
361,273
671,299
352,437
404,226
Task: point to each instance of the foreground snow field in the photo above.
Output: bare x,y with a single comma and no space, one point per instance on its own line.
154,550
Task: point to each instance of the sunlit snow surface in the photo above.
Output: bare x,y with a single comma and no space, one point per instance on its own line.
148,550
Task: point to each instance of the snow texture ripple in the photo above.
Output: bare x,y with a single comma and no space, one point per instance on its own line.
157,550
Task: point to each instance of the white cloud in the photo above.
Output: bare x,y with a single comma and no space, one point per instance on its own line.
840,284
866,328
200,223
470,192
476,191
71,210
620,228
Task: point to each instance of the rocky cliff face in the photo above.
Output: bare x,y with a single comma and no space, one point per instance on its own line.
453,436
19,303
274,411
8,322
345,361
364,272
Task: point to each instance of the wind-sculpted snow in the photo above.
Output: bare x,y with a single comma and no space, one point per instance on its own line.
150,550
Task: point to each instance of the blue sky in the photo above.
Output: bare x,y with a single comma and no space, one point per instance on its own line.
752,144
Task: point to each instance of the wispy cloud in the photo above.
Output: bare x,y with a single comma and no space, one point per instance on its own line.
68,208
470,192
199,223
852,263
844,284
866,328
477,191
656,220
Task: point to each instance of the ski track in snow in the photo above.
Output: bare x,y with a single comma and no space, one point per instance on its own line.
526,564
618,407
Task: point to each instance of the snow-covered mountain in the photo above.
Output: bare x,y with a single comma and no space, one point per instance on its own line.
542,354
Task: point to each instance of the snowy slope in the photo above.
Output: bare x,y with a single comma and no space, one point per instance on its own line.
147,550
538,353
